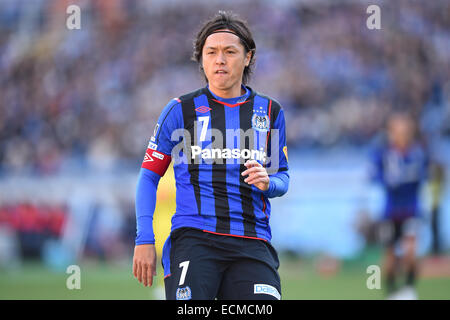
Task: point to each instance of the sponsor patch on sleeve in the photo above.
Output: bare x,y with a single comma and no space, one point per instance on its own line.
158,155
152,146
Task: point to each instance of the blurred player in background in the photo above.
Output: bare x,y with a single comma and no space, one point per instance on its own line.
437,179
222,138
400,166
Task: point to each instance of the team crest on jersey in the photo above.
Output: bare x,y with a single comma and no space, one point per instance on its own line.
184,293
260,122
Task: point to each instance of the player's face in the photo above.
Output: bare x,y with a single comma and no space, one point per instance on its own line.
224,60
400,132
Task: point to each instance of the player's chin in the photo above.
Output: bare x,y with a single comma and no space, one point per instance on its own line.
222,83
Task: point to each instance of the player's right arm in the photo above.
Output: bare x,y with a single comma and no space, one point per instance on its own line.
156,161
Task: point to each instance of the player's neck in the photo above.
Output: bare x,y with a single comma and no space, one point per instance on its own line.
232,92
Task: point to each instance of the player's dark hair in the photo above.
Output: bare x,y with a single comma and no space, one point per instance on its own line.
230,21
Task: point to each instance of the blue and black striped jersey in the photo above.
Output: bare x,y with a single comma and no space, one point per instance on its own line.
401,174
209,141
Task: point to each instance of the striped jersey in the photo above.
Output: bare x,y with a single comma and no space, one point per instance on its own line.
209,141
401,174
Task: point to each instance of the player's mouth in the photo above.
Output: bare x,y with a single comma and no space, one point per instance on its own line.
221,72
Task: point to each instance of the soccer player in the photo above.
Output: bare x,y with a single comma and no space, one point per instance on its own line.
401,166
228,145
437,180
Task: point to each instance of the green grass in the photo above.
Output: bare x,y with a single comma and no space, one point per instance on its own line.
34,281
300,280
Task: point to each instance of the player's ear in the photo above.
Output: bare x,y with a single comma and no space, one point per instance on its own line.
248,57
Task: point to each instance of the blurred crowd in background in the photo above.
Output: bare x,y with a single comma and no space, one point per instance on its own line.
92,96
88,99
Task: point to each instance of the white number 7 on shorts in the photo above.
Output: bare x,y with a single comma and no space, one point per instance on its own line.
184,265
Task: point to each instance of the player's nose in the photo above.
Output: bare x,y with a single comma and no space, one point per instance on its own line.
220,58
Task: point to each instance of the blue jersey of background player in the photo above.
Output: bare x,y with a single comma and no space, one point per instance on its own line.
224,139
400,166
401,172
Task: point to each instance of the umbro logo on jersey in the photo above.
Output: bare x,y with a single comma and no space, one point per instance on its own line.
203,109
147,157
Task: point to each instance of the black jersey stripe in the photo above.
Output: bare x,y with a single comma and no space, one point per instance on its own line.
219,170
248,214
274,113
189,116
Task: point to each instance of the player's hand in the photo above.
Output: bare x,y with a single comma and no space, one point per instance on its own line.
257,175
144,263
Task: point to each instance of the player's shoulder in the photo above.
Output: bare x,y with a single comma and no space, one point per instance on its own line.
169,111
184,98
417,146
274,102
191,95
173,109
275,105
187,97
170,106
418,150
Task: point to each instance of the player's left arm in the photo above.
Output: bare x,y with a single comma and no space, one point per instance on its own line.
276,184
